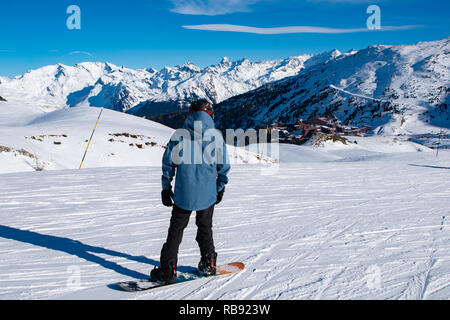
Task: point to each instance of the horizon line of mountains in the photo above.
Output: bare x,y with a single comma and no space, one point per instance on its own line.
398,89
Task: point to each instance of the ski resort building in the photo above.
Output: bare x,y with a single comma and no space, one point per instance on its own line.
301,131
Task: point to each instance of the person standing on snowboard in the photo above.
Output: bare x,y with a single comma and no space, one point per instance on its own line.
199,186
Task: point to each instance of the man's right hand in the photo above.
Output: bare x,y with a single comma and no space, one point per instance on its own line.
166,197
220,196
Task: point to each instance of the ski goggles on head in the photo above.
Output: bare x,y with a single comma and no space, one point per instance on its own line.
206,107
208,111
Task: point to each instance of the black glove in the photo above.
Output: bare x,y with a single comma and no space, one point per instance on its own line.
166,197
220,196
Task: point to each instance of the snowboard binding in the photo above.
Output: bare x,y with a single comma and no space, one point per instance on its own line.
207,265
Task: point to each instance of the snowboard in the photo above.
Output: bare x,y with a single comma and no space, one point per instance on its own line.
146,284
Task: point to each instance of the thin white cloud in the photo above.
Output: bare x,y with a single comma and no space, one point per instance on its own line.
346,1
211,7
291,29
81,52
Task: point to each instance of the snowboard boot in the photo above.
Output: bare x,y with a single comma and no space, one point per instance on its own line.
164,275
207,265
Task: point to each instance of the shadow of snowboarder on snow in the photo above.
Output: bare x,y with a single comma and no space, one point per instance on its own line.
80,250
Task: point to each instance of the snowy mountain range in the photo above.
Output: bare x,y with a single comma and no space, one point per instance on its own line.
395,89
147,92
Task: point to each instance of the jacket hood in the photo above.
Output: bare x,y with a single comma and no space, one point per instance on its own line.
198,122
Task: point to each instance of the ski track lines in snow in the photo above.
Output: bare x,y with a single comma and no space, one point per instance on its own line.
345,230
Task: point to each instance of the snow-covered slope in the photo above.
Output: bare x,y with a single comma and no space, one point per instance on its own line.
396,89
339,230
146,91
58,139
355,149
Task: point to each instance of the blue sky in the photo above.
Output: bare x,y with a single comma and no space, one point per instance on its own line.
143,33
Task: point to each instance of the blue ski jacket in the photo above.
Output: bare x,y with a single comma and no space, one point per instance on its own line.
197,155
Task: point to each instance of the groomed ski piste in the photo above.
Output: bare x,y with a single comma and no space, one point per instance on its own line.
358,221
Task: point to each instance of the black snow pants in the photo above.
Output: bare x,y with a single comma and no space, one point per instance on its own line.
178,222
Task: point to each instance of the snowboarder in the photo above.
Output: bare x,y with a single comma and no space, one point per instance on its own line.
199,186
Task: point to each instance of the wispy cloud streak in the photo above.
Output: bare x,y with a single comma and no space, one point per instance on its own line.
291,29
211,7
80,52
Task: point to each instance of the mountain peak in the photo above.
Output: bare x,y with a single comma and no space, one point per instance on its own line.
189,66
244,61
323,57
